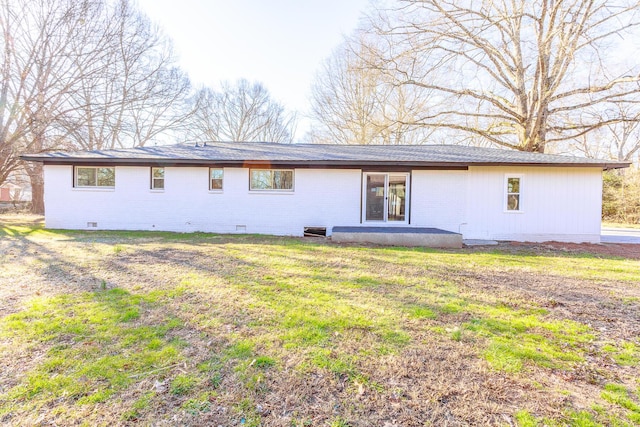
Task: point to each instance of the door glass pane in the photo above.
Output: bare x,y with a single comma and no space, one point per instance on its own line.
397,197
375,198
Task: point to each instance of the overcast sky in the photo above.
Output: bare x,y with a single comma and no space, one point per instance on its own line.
280,43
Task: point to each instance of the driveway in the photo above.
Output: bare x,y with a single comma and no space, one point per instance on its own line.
620,235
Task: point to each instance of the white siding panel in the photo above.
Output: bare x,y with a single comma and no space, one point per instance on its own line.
321,198
562,204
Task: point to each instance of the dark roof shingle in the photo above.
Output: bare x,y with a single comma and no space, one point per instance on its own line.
318,155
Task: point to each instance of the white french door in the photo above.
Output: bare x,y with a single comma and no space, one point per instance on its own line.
385,198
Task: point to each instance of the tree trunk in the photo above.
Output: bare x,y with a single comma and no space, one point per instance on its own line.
37,188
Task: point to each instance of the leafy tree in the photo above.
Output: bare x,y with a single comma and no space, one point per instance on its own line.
621,196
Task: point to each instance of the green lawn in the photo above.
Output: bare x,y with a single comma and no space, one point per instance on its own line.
101,328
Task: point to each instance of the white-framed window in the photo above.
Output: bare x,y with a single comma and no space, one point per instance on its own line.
513,193
216,178
157,178
271,179
95,176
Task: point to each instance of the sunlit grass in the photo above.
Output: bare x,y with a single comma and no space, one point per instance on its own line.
253,303
570,418
619,395
95,347
307,298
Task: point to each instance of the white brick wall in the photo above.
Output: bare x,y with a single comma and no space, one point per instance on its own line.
558,203
439,199
321,198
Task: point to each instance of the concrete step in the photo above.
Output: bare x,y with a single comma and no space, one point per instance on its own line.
398,236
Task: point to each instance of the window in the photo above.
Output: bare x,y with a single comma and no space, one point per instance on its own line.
215,178
95,177
157,178
271,179
513,193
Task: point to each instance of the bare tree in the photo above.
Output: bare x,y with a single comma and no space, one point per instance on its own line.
618,140
516,73
134,93
344,101
625,137
243,112
37,78
355,103
81,74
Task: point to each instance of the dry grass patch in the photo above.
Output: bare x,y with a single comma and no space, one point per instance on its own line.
197,329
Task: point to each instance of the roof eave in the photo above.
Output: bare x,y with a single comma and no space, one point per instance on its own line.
616,165
48,160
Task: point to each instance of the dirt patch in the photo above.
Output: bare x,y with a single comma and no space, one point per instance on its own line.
623,250
611,307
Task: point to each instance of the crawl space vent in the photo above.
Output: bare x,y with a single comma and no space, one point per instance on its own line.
315,231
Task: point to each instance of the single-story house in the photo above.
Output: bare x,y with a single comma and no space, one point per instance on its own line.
283,189
5,192
11,192
16,188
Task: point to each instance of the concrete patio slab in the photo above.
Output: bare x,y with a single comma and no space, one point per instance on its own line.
479,242
398,236
620,235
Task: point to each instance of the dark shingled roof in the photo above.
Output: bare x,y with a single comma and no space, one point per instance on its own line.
317,155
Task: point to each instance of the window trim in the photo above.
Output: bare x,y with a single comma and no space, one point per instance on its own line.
93,187
507,194
151,185
273,190
216,190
